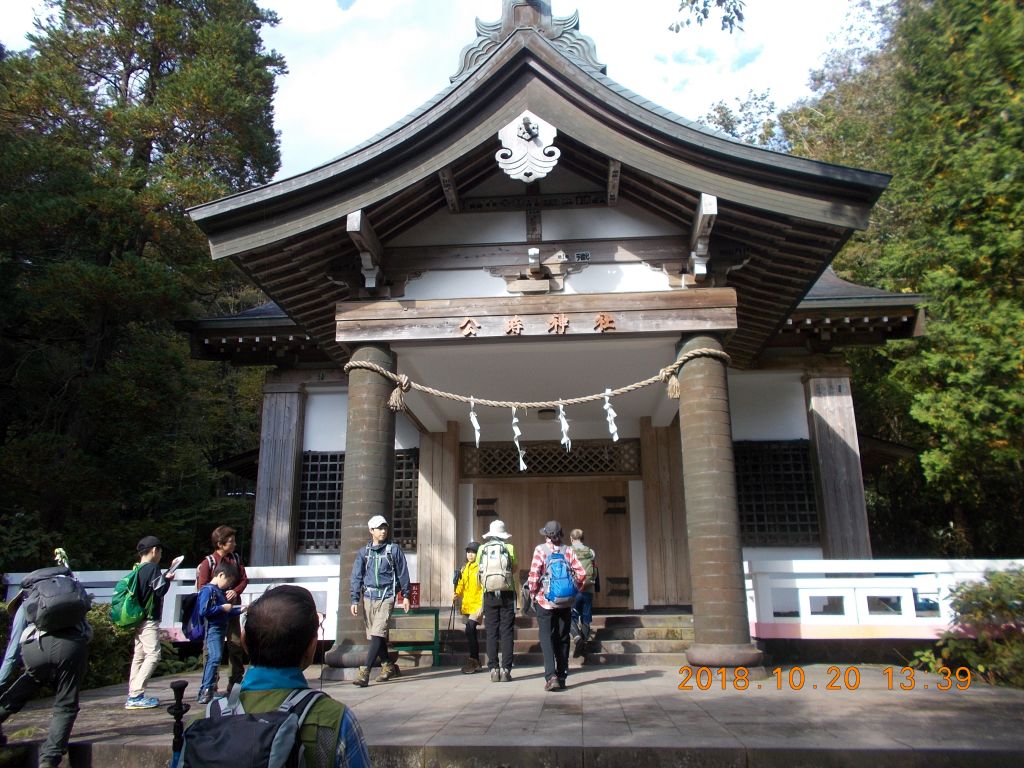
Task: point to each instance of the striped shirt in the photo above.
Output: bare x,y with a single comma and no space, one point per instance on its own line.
535,584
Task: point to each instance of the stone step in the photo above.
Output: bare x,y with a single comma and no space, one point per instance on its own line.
683,634
532,645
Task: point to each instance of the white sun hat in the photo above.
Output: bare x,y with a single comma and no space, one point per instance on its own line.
497,531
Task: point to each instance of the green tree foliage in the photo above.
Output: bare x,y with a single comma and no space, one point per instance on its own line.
700,11
752,121
988,628
930,91
120,115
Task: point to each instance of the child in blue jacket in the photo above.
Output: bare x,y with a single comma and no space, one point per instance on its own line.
215,609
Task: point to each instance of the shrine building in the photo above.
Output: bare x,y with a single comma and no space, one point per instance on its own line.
539,237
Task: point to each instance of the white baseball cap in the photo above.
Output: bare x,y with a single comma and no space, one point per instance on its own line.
377,521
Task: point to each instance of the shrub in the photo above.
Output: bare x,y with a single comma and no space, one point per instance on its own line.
987,632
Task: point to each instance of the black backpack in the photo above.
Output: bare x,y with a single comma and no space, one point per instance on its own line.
54,599
230,736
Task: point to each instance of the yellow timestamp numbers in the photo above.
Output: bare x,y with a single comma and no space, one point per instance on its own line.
837,679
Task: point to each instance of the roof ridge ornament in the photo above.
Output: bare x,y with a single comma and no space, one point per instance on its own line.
527,153
562,31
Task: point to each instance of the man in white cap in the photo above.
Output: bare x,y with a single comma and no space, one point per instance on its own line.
379,575
496,560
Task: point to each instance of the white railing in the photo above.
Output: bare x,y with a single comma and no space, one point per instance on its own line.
811,599
861,599
322,580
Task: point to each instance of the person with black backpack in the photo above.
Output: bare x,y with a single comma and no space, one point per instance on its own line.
556,575
54,651
273,718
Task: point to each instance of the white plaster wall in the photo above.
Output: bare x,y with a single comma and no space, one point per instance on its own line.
594,278
767,405
616,278
637,543
623,220
753,554
327,422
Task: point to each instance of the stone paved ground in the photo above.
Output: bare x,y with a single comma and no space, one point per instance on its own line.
613,716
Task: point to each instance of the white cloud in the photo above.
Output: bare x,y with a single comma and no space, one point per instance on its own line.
354,72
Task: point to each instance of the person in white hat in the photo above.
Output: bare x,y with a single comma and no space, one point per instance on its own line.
496,560
379,574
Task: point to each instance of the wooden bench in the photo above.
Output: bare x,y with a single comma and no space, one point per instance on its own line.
418,630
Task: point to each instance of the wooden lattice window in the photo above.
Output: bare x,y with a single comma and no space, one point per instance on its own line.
320,492
543,459
775,492
407,481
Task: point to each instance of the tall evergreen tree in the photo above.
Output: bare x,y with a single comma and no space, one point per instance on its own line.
120,115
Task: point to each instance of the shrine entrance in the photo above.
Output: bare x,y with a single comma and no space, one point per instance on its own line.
600,507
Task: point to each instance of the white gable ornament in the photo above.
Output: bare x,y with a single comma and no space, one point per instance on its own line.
527,154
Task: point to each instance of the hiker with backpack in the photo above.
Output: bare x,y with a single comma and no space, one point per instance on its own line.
472,607
583,608
556,575
496,560
273,718
152,585
54,651
379,574
213,605
224,545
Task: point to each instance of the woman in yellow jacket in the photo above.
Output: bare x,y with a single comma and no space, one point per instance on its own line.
472,594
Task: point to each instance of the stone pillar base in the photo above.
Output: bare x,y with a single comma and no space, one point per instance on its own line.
722,655
344,657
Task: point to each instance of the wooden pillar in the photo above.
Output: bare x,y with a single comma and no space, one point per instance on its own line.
668,567
280,463
720,623
437,550
835,454
368,490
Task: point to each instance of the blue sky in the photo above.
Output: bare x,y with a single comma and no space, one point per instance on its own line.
357,66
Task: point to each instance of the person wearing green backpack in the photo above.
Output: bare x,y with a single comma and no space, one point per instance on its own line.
152,586
583,608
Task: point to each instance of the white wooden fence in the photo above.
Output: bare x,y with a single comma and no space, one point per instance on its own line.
841,599
811,599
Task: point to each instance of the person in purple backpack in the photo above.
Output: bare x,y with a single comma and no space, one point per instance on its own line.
215,608
556,575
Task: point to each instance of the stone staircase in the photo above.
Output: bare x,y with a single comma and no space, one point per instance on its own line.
619,639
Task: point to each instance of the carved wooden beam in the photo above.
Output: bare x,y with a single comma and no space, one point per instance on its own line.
614,171
700,236
371,255
450,189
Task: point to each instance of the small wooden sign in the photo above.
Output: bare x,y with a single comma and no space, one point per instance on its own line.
414,594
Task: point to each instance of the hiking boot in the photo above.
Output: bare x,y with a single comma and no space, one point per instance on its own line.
506,675
470,667
495,675
205,697
362,677
142,702
561,683
579,646
388,671
550,684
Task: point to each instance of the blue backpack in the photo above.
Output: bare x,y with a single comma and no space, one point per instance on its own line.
193,620
559,582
